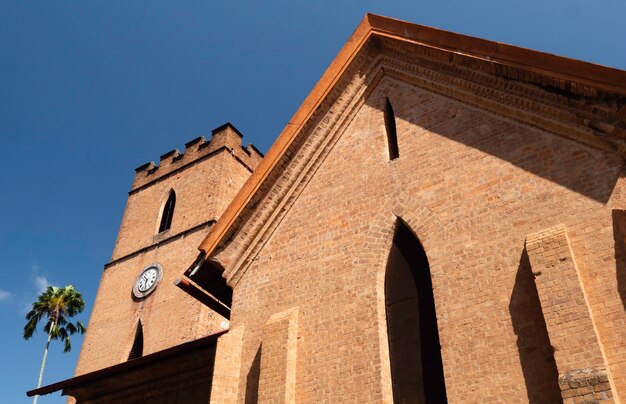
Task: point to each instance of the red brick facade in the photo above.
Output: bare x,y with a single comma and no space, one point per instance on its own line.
205,178
475,188
510,176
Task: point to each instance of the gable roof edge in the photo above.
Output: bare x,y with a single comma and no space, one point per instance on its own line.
271,159
602,77
599,76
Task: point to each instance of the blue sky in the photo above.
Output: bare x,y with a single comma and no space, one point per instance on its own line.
90,90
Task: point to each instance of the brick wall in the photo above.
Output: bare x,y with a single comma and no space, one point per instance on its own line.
565,307
472,185
205,179
586,386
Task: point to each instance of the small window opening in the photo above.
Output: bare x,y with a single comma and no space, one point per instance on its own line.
390,127
168,212
137,350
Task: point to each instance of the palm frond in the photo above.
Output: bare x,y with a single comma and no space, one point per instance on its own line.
71,328
68,345
56,306
30,328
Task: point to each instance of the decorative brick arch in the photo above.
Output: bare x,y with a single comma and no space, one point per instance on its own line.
429,231
422,221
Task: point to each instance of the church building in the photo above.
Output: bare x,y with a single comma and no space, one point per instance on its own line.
442,220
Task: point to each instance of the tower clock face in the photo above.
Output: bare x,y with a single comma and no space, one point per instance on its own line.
147,281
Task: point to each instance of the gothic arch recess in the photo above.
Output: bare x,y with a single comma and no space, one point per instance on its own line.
167,212
137,349
426,227
412,331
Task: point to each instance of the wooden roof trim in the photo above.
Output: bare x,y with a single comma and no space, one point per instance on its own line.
555,66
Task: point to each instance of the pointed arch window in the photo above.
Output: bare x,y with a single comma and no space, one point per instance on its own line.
137,350
390,128
168,212
414,347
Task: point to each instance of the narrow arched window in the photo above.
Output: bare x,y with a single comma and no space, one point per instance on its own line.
390,127
414,348
137,350
168,212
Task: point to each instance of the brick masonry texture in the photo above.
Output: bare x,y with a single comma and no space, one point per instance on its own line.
472,185
203,190
563,302
586,386
174,377
568,321
278,357
205,181
225,383
512,181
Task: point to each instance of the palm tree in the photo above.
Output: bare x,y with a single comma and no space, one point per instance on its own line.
56,306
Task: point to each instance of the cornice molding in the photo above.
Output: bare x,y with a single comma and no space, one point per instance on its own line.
599,114
517,101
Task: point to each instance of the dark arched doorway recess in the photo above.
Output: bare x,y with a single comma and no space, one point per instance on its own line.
414,349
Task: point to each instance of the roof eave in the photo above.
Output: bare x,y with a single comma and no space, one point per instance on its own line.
126,366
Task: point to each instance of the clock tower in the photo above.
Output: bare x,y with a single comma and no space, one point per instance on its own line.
170,209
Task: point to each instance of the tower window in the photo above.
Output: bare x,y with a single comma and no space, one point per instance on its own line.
168,212
137,350
390,127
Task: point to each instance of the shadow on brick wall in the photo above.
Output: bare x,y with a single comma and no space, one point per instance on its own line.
533,343
619,237
580,168
252,380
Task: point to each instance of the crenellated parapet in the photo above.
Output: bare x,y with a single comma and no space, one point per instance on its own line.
225,138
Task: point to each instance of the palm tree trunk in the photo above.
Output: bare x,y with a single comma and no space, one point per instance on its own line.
43,362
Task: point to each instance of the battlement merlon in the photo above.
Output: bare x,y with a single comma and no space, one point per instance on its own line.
225,138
